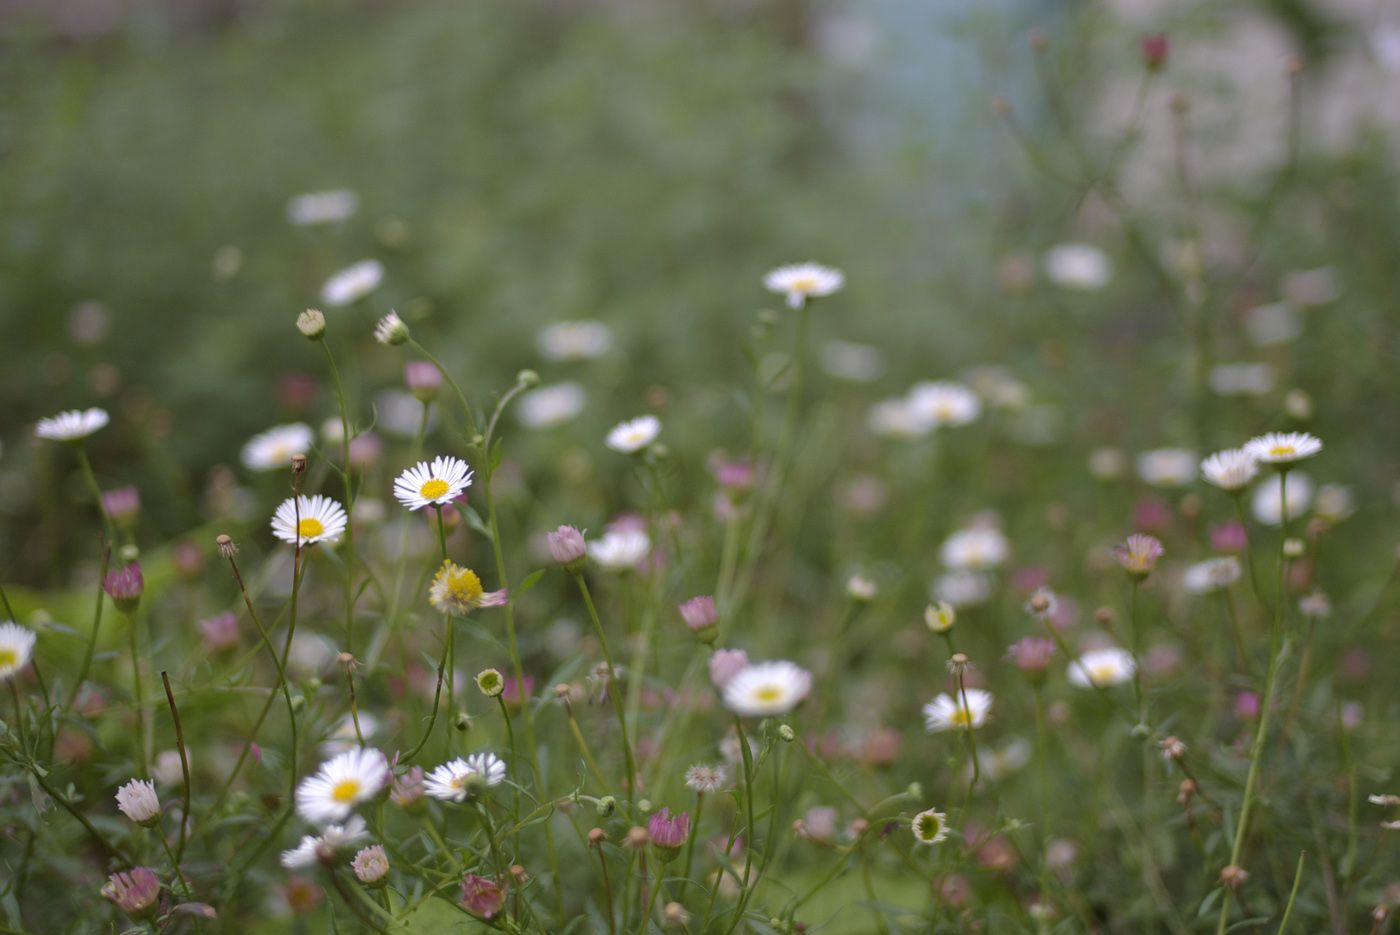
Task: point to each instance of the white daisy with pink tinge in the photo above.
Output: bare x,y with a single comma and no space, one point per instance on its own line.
343,782
433,484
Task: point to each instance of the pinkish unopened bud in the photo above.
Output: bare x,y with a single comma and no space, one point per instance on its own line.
219,633
701,618
366,450
1032,655
725,664
482,897
1246,706
567,547
422,379
1228,538
668,834
122,504
125,587
1138,554
1154,51
408,790
188,559
135,892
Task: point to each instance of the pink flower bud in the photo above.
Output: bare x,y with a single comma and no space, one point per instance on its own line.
725,664
668,834
422,379
566,546
125,587
701,618
135,892
1154,51
122,504
481,896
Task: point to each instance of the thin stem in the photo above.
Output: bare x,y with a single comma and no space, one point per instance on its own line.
174,862
1042,740
462,400
690,843
607,891
184,766
81,450
437,693
349,502
140,700
583,744
96,622
613,692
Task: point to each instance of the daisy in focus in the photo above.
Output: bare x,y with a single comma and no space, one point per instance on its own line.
433,484
333,791
801,281
1283,448
460,779
767,689
1101,668
946,713
634,435
72,425
16,646
305,520
457,591
273,449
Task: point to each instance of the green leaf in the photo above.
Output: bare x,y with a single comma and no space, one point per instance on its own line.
495,456
434,916
530,581
473,520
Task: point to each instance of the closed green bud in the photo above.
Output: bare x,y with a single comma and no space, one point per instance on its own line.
785,734
606,806
312,324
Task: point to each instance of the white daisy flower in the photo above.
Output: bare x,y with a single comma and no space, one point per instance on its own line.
854,363
944,403
333,791
273,449
1334,503
800,281
963,588
947,712
1283,447
929,827
632,436
1167,467
371,866
895,418
72,425
974,549
1212,575
767,689
322,207
321,519
1267,325
327,848
1241,379
391,330
574,340
1107,464
344,737
1078,266
1231,469
1268,496
550,406
16,646
353,282
1100,668
138,801
433,484
620,550
456,781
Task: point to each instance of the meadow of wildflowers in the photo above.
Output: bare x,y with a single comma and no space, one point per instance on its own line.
829,629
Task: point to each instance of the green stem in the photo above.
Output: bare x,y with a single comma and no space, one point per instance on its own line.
81,450
462,400
96,622
1042,740
184,764
179,874
437,693
613,692
690,843
349,502
141,770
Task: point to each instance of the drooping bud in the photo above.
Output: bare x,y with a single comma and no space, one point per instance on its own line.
481,896
391,330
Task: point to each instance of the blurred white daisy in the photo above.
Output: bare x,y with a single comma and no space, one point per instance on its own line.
1231,469
72,425
948,713
1334,503
309,519
1241,379
1100,668
943,403
895,418
550,406
801,281
1283,447
854,363
1267,503
620,549
457,591
353,282
974,549
1267,325
343,782
1385,45
1107,463
1078,266
997,386
273,449
433,484
329,847
767,689
1211,575
963,588
16,646
1167,467
929,827
635,434
574,340
459,779
322,207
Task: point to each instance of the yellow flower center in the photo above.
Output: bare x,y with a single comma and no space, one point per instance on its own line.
1279,451
1101,674
346,790
806,284
961,716
309,527
768,693
464,586
433,489
8,658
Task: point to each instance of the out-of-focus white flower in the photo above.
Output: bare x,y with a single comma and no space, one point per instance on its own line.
1231,469
400,413
635,434
72,425
326,849
943,403
1385,45
16,646
767,689
620,549
168,769
861,588
273,449
1283,447
1305,287
433,484
1268,495
322,207
1100,668
1167,467
341,783
344,738
310,653
352,283
801,281
974,549
929,827
963,588
305,520
459,779
946,712
1334,503
854,363
574,340
1211,575
1277,323
1002,761
895,418
1107,463
997,386
138,801
1078,266
550,406
1241,379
